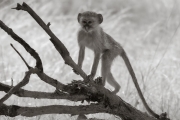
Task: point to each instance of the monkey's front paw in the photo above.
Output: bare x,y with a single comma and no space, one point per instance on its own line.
75,72
99,81
90,77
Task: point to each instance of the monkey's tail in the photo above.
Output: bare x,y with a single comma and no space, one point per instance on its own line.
130,69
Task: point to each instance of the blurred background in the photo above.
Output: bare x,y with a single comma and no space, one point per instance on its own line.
147,29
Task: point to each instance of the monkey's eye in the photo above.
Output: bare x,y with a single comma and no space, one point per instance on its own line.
89,22
83,21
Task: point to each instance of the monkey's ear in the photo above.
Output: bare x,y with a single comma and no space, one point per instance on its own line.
79,15
100,18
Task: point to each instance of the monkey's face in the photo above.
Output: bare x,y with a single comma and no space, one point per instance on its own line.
88,24
89,21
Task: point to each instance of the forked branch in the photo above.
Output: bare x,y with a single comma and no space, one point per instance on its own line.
18,86
24,44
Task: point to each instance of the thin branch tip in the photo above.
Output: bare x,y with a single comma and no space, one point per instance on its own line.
18,7
12,82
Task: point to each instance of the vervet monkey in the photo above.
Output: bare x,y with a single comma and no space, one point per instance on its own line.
91,35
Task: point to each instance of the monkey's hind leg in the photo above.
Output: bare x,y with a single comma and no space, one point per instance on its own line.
107,59
113,82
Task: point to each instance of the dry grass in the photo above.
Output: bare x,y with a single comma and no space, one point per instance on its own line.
148,30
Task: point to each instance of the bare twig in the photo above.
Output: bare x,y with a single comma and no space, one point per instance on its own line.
12,82
21,56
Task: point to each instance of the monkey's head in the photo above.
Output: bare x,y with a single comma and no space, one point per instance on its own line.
89,21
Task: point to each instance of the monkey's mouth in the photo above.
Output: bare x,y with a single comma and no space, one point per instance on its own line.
87,28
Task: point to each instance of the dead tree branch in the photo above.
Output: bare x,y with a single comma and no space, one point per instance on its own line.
42,95
15,110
